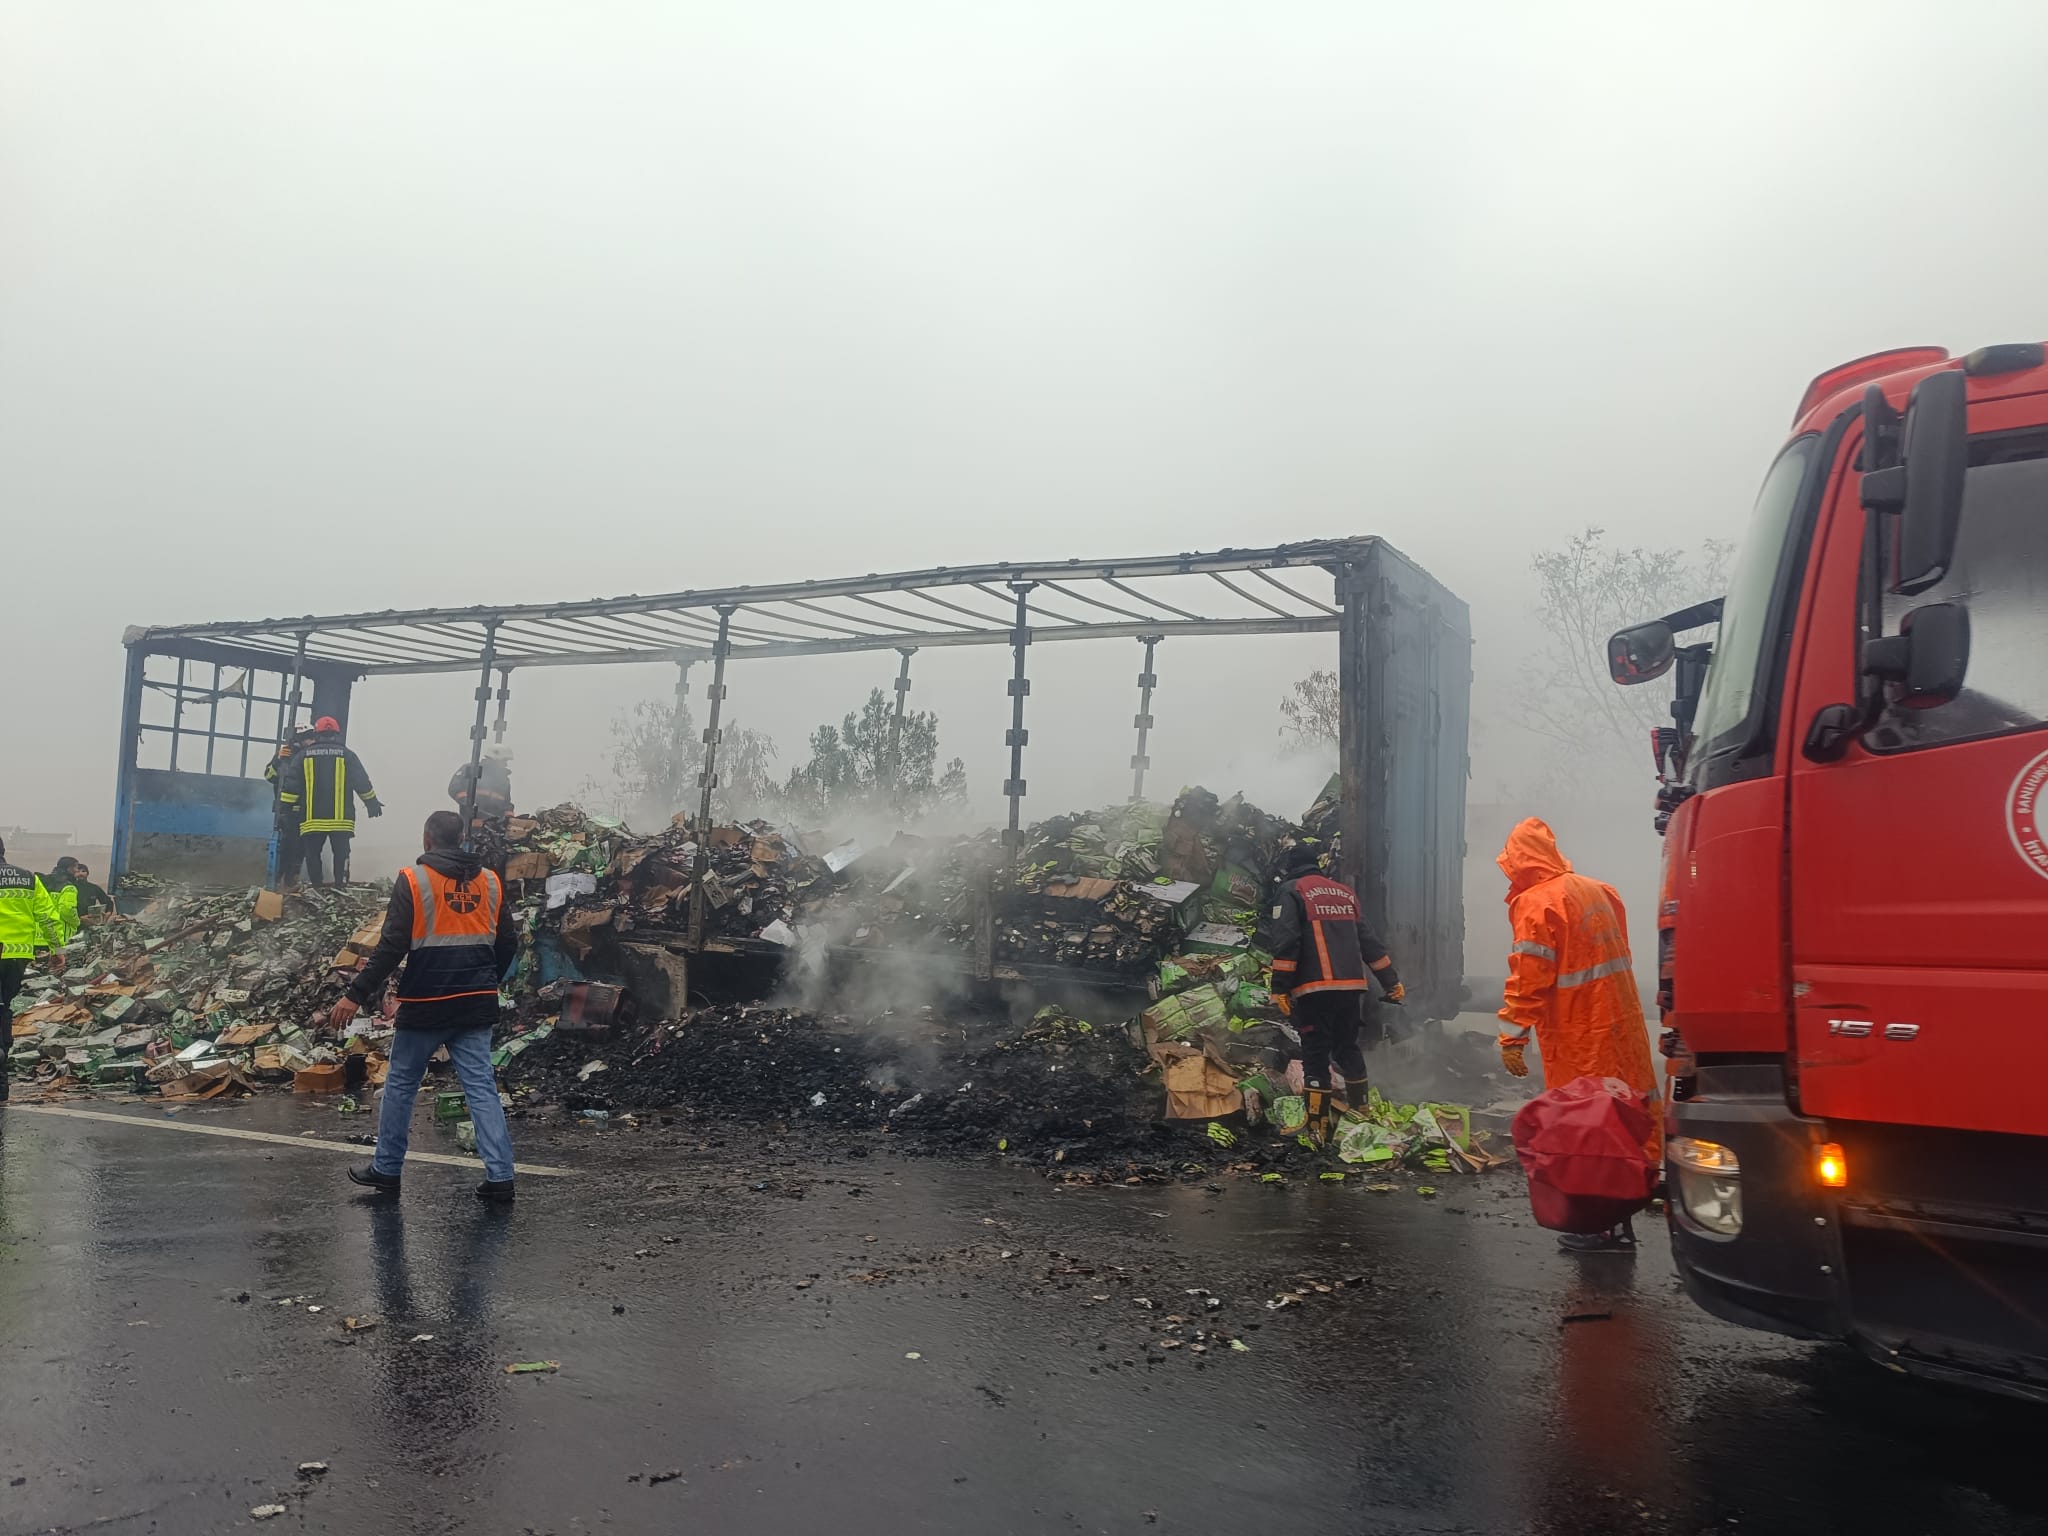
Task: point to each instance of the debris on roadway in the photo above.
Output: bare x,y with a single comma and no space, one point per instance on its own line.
1151,912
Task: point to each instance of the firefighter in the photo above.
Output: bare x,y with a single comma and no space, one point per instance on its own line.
1571,982
450,926
286,817
322,790
29,925
1325,956
494,786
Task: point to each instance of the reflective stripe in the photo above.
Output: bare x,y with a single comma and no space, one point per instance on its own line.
1531,947
1612,967
451,941
423,908
341,789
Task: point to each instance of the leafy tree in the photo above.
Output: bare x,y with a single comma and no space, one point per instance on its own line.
658,753
1585,591
855,765
1308,715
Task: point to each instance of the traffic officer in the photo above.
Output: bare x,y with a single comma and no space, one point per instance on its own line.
322,789
286,817
28,925
1325,958
449,925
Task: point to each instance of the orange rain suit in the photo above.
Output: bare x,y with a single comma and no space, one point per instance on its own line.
1570,978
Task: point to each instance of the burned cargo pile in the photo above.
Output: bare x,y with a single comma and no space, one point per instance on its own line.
199,996
1111,892
1047,1088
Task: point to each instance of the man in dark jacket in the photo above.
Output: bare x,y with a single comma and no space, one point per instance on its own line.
451,928
1324,953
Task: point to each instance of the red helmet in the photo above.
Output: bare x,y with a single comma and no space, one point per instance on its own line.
327,723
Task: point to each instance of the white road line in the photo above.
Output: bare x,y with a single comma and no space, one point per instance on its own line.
238,1134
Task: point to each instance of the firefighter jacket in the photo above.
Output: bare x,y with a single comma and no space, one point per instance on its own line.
278,769
494,781
1570,978
28,917
450,926
321,783
1322,943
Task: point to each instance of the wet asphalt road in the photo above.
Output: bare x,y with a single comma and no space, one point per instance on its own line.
757,1343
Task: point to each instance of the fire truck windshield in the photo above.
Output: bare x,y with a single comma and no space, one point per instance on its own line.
1732,677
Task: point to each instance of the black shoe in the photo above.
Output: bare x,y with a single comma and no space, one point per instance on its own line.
498,1190
370,1178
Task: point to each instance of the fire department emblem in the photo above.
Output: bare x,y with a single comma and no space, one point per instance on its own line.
2026,814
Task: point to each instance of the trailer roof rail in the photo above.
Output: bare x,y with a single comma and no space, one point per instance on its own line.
1186,594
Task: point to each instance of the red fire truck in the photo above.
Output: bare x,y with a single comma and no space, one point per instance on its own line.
1853,922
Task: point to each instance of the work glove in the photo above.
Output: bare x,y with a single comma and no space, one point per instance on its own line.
1396,993
375,808
1511,1057
1285,1004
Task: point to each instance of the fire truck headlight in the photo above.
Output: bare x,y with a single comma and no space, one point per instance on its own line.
1709,1183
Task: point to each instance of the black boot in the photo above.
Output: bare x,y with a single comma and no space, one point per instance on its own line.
498,1191
1357,1094
370,1178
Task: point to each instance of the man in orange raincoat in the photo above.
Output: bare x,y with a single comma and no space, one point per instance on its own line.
1570,978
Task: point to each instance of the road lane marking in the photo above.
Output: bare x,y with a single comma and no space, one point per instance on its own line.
446,1159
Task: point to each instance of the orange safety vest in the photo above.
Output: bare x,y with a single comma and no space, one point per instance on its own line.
454,936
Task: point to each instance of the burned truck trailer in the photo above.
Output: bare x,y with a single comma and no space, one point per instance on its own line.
205,704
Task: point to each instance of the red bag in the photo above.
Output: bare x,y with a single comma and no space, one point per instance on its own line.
1581,1146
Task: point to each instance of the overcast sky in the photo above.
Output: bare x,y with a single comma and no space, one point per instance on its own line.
324,307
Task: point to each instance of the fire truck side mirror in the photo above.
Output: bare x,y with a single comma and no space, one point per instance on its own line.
1923,665
1934,447
1641,654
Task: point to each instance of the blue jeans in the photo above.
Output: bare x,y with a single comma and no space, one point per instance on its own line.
470,1050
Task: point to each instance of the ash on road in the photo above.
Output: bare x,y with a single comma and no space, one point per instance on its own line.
756,1336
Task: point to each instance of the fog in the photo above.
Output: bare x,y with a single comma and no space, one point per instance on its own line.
341,308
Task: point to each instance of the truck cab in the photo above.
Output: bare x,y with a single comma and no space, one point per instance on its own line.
1853,917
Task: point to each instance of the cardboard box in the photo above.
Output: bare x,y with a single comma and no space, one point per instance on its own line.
269,906
321,1079
534,865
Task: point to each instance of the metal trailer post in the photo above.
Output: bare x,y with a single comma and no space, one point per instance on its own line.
124,771
1017,736
288,713
707,780
1147,681
988,904
504,698
896,719
476,731
1362,762
675,719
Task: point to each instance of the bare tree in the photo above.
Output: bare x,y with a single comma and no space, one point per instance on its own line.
1585,591
658,752
1308,714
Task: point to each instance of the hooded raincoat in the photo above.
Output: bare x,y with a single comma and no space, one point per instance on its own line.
1570,978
